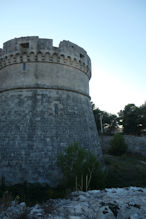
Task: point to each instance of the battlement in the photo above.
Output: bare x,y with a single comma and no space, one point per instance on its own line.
35,49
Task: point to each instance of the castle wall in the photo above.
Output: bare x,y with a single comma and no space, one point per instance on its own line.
136,144
44,107
44,75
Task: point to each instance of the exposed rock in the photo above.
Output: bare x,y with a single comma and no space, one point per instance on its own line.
36,212
14,211
112,203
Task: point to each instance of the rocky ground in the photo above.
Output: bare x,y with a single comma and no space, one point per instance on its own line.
120,203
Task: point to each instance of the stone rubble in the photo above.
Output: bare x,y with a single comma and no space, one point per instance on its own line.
120,203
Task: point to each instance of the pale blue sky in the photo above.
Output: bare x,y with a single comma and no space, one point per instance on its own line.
113,32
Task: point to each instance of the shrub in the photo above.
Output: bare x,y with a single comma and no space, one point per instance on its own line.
30,193
118,145
5,200
80,168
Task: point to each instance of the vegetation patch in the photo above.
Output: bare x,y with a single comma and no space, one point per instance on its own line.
124,171
118,145
30,193
81,169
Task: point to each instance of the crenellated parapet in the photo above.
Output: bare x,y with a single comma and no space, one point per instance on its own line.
34,49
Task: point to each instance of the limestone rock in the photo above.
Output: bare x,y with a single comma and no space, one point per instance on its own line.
120,203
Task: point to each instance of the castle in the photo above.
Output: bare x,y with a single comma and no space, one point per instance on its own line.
44,107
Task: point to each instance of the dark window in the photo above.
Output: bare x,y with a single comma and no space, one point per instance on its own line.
24,45
56,109
81,56
24,66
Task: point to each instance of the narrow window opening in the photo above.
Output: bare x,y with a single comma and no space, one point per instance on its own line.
24,66
56,109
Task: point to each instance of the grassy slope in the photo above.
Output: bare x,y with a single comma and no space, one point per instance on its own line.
125,171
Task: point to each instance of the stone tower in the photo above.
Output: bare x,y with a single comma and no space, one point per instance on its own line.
44,107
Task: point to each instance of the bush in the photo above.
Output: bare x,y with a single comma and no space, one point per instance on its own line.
31,193
80,168
118,145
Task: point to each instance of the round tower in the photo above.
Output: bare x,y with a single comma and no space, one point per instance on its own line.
44,107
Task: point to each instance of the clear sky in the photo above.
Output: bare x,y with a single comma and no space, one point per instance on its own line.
113,32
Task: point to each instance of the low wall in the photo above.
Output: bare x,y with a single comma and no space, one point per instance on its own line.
136,144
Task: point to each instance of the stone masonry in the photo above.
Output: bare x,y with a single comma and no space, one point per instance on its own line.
44,107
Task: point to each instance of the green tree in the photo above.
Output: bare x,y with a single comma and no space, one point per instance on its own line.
109,121
77,163
130,118
118,145
143,116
